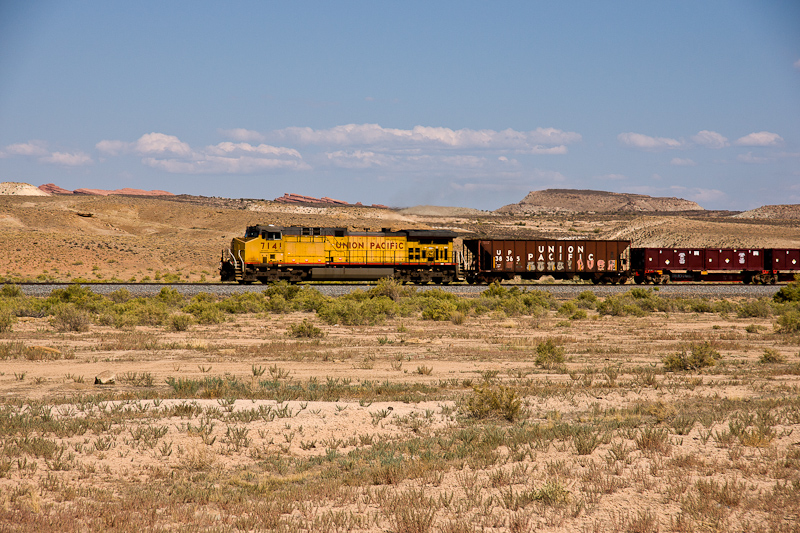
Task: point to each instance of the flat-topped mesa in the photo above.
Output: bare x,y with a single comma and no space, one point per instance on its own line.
588,201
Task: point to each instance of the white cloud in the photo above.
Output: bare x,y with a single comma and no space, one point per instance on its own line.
113,147
678,162
358,159
206,164
169,153
30,148
645,142
431,138
243,135
228,149
750,158
159,143
70,160
613,177
710,139
761,138
39,150
702,196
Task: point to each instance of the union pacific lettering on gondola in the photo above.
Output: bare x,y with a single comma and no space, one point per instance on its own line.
531,259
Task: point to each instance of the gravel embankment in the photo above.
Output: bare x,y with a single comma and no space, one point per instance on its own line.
561,291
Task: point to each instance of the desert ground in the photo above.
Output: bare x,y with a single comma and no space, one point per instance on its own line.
513,412
388,409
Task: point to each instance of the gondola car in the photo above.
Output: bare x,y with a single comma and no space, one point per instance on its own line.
665,265
488,260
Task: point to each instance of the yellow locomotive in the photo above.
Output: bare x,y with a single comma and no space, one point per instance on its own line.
270,253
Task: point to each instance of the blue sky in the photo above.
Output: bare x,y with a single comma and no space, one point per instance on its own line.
450,103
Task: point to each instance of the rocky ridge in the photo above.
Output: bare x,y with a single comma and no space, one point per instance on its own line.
588,201
780,212
52,188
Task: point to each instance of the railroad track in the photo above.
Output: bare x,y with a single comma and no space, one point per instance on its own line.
559,290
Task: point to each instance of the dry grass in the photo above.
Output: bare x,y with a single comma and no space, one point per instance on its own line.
283,422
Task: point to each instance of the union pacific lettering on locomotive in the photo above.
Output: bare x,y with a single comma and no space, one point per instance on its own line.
268,253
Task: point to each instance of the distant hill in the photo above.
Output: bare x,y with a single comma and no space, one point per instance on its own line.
586,201
13,188
53,189
783,212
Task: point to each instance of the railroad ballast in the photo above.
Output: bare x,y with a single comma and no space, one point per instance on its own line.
268,253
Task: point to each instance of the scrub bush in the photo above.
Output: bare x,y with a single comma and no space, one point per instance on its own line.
548,354
693,357
789,293
494,401
70,317
305,330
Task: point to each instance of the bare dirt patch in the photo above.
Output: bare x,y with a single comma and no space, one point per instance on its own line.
557,419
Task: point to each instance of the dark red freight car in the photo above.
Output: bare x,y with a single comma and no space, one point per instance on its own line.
784,264
662,265
488,260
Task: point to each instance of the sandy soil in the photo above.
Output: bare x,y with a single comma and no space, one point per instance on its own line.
612,383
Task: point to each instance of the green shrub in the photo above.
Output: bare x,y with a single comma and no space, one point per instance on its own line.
438,310
495,290
788,322
580,314
205,309
247,302
567,309
789,293
11,291
69,317
277,304
308,299
180,322
305,330
771,356
140,312
494,401
586,300
78,296
282,288
759,308
693,357
391,288
170,296
536,299
612,306
208,314
120,295
7,320
548,355
350,312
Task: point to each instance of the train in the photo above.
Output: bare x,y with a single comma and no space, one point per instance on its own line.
268,253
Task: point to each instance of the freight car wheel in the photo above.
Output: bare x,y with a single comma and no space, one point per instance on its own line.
638,280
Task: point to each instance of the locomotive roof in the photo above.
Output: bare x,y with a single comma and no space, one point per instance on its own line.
333,231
